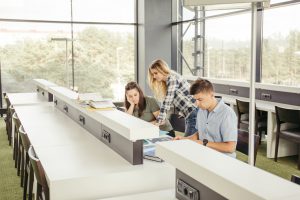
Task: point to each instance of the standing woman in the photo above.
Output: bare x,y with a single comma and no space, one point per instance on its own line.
143,107
171,88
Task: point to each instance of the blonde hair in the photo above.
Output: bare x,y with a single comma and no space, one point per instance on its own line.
159,88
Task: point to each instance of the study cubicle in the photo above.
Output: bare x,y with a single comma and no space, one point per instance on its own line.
88,153
267,97
205,174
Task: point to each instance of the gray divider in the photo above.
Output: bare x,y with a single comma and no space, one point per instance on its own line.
131,151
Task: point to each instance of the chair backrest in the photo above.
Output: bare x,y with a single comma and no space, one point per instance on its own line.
24,137
284,115
243,143
7,101
242,107
295,179
16,121
177,122
37,167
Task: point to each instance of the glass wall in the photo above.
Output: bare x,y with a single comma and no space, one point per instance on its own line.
281,46
228,47
104,59
36,42
28,51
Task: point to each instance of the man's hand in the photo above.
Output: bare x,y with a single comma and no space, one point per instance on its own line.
178,138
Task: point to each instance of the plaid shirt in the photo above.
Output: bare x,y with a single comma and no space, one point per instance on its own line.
178,94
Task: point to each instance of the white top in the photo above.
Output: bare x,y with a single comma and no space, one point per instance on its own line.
63,92
44,84
227,176
25,98
157,195
124,124
79,166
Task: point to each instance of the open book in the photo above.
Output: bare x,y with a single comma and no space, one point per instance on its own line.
102,104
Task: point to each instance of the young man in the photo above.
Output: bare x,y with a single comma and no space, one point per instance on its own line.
216,122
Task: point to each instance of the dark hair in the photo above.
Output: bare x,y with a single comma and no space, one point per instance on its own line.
142,101
201,85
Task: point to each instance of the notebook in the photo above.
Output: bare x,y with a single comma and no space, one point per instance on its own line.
149,148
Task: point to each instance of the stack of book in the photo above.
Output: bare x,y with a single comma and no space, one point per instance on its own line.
149,147
102,104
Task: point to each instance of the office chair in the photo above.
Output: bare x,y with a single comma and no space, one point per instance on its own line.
295,179
42,186
288,127
243,143
243,118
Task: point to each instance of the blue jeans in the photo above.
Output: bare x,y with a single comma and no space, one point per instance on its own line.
190,123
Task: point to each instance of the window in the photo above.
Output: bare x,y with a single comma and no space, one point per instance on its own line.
188,49
27,52
281,46
36,9
104,55
104,59
228,47
104,11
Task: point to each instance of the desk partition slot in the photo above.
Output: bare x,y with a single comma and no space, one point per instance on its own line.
131,151
66,109
82,119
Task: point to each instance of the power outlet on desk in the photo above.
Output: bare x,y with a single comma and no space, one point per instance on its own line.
187,191
82,119
266,96
106,136
66,108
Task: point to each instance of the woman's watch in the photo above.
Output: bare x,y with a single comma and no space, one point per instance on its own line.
205,141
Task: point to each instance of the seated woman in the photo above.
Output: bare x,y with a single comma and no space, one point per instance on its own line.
144,107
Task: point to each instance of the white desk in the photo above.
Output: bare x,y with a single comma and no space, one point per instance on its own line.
229,177
78,166
157,195
22,99
286,148
44,84
25,98
126,125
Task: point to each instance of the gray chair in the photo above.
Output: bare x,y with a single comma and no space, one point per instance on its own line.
17,143
288,128
295,179
243,143
42,186
26,169
243,118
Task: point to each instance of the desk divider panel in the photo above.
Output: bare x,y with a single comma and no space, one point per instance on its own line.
42,88
131,151
44,93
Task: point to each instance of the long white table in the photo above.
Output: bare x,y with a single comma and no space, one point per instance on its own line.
229,177
79,166
25,98
286,148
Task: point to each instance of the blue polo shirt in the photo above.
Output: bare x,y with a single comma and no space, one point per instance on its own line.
220,125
